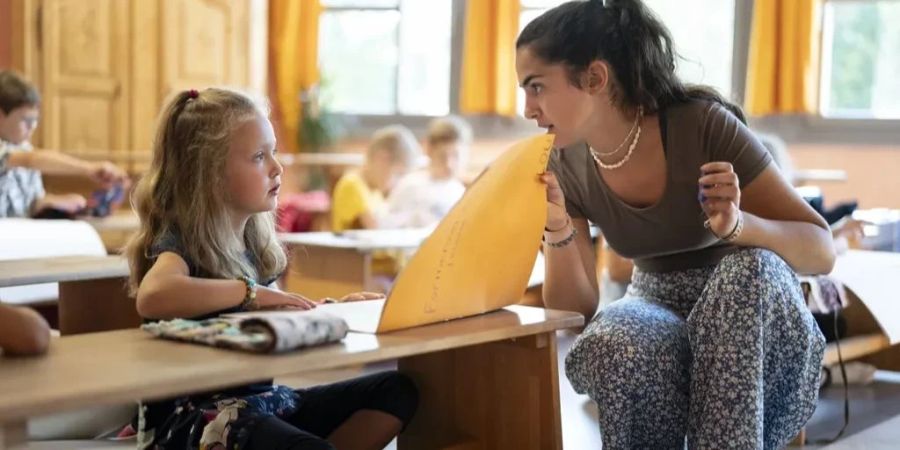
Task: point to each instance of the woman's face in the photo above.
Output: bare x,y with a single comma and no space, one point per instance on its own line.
552,100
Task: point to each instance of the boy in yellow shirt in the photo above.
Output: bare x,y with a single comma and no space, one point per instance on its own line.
359,196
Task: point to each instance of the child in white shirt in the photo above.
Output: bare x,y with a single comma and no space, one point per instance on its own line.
423,197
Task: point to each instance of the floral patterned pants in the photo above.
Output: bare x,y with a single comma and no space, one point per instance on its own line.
726,357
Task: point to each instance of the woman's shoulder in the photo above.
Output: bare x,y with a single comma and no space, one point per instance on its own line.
696,110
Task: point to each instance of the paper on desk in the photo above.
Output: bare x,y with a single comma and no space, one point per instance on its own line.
480,256
875,278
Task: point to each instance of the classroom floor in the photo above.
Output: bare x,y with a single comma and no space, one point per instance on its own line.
874,411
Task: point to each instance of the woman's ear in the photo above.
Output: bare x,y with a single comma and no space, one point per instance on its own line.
597,77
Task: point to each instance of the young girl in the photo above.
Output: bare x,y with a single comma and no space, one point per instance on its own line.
207,236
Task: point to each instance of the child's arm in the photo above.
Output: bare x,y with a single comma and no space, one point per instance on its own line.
56,163
168,291
23,331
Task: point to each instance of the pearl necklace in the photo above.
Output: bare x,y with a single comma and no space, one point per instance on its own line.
637,136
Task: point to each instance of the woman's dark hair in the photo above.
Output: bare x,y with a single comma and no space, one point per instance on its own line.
627,35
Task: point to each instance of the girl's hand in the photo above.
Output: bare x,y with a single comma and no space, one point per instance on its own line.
557,218
720,197
268,298
355,297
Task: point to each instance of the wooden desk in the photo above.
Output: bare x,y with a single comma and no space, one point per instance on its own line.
325,264
486,382
92,291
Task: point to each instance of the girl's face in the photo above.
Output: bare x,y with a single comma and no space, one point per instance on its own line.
551,99
252,172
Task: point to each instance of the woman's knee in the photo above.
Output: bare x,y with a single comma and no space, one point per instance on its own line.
752,277
630,335
756,263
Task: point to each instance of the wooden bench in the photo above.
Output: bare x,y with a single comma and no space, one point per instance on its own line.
92,291
486,382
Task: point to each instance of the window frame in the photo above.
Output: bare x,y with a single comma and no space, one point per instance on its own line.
820,128
816,128
365,124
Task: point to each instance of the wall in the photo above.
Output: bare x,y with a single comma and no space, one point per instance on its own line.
5,33
873,172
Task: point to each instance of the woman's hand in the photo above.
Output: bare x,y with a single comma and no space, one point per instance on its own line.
720,197
557,218
355,297
268,298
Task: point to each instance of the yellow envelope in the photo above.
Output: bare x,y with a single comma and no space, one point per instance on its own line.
480,256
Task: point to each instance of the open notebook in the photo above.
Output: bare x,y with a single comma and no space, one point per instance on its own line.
478,259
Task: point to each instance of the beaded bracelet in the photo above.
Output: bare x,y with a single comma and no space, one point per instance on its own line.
738,228
565,241
735,232
249,303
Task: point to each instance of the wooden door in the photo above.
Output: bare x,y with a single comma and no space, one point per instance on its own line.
204,43
85,71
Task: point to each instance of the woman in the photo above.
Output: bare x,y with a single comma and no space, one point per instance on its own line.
713,341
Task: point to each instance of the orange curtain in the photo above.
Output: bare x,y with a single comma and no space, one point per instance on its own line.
783,66
488,67
293,61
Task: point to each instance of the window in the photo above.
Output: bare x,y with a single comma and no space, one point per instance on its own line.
702,31
860,60
386,57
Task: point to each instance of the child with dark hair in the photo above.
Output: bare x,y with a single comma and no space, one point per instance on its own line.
21,187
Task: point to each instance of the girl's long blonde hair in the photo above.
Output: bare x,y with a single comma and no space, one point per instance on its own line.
183,193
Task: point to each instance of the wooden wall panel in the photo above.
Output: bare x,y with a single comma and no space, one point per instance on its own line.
85,74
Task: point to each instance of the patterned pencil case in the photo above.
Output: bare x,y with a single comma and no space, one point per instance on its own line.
255,332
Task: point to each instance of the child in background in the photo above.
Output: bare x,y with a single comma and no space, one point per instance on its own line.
21,188
207,236
22,332
359,195
422,198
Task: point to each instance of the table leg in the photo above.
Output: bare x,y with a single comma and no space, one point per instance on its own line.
500,395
